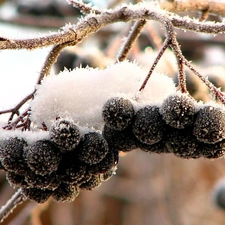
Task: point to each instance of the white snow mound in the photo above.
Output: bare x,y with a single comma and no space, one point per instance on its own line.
81,93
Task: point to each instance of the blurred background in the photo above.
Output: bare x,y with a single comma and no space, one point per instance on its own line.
148,189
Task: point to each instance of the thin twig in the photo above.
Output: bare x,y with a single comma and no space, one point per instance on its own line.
84,8
134,33
159,55
11,204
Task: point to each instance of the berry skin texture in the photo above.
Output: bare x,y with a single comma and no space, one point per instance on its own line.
65,193
118,113
15,180
11,155
148,126
92,183
65,134
36,195
209,126
182,143
159,147
178,110
123,140
93,148
212,151
42,157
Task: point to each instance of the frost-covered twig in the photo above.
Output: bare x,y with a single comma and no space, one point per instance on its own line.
92,23
134,33
84,8
159,55
213,6
11,204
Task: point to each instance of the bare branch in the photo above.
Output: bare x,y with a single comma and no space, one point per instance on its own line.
134,33
212,6
14,201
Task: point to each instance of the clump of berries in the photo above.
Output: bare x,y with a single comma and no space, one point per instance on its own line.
60,166
179,126
71,160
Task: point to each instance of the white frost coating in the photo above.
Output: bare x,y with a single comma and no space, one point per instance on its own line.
81,93
28,136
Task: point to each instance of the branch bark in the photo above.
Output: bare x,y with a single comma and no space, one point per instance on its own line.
212,6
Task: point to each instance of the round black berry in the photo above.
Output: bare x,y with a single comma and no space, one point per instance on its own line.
16,179
11,155
36,195
107,175
118,113
209,126
93,148
92,183
182,143
212,151
65,134
159,147
178,110
42,157
71,170
123,140
65,193
148,126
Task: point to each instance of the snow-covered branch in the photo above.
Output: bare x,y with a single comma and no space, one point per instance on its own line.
94,22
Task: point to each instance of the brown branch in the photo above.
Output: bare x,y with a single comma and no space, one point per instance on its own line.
134,33
213,6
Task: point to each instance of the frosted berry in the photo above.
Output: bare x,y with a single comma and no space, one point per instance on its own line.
178,110
65,134
110,160
123,140
93,148
11,155
118,113
65,193
212,151
107,175
148,126
42,157
92,183
159,147
36,195
48,181
182,143
71,170
15,180
209,126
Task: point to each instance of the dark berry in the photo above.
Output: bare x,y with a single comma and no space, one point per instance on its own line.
48,181
148,126
42,157
15,179
123,140
107,175
11,155
65,134
93,148
65,193
178,110
159,147
118,113
209,126
36,195
110,160
212,151
182,143
94,182
71,170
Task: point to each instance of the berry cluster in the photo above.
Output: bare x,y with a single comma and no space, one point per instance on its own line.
71,159
59,166
179,126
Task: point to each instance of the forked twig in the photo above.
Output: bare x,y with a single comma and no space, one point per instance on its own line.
11,204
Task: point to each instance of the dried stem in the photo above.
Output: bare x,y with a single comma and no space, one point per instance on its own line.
134,33
159,55
11,204
84,8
